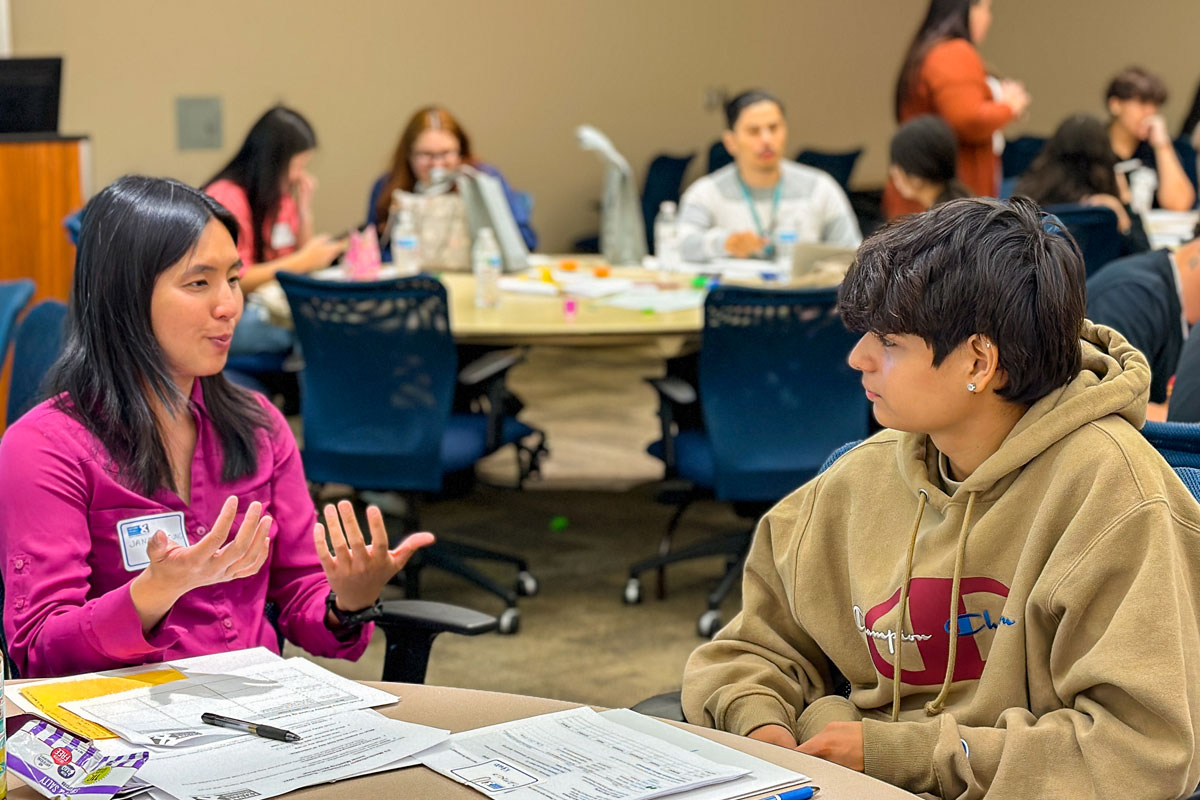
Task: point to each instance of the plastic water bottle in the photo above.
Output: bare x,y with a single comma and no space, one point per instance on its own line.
406,246
485,263
666,237
785,250
1143,182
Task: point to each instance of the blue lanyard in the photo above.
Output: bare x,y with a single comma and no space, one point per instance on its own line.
769,232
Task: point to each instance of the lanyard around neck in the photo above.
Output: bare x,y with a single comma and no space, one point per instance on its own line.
766,233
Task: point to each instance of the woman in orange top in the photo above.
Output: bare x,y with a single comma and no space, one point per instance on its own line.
944,75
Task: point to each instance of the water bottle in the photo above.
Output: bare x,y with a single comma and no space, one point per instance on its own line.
485,263
406,246
666,237
1143,182
785,250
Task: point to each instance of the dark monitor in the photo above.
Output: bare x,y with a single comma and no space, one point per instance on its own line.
29,89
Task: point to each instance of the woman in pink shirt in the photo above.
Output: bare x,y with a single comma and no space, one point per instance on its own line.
150,508
269,191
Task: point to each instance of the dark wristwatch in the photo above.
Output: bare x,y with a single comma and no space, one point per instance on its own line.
351,619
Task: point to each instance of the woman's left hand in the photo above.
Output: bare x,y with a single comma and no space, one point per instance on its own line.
839,742
357,569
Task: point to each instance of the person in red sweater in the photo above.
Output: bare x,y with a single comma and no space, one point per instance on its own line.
943,74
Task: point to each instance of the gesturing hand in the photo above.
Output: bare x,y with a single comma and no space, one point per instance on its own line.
744,244
839,742
356,570
175,570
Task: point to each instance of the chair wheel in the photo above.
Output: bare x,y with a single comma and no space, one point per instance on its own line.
709,624
527,584
510,621
633,591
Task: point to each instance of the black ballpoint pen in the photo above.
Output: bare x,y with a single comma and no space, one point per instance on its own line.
265,731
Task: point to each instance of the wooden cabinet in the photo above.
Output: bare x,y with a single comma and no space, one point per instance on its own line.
43,178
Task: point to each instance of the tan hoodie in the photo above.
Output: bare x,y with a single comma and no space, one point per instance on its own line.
1071,558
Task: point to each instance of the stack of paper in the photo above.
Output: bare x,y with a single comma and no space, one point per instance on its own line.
615,755
340,737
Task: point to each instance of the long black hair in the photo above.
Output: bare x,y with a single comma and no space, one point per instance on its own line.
925,148
134,230
946,19
1077,161
261,165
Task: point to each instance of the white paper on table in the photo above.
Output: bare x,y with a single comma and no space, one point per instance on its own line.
657,300
217,662
763,776
279,692
586,286
519,285
331,748
575,754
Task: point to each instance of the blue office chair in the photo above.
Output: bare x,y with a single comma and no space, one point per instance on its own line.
839,165
777,395
718,156
13,297
377,386
35,348
1019,153
664,181
1095,231
1177,442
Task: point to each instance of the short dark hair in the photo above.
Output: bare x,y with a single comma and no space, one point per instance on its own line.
1007,271
134,230
1135,83
925,147
735,107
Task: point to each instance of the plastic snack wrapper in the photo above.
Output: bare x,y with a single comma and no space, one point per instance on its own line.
59,764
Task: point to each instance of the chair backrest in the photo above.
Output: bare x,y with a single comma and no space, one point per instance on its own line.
1019,153
718,156
839,165
13,297
775,388
664,180
378,379
36,347
1177,442
1095,230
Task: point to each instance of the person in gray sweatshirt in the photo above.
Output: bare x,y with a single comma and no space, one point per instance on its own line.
736,211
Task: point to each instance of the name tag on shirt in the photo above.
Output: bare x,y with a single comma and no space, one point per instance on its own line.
135,536
282,236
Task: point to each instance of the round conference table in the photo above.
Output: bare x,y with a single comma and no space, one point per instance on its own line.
464,709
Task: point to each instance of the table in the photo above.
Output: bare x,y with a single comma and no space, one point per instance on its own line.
532,319
463,709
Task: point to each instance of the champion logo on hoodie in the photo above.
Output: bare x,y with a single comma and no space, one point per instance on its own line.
928,599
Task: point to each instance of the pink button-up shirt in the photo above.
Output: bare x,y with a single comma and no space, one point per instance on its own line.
67,607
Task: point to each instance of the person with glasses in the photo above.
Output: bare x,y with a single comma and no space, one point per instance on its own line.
432,146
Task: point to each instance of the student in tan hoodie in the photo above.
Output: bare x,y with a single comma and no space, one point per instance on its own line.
1011,500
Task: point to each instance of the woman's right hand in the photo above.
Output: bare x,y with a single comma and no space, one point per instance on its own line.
320,251
175,570
1014,95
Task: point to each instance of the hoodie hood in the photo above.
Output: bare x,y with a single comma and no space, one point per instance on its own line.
1114,379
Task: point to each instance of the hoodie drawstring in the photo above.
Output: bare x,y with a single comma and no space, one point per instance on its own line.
934,706
912,546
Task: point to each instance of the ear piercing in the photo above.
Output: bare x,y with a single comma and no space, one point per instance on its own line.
970,387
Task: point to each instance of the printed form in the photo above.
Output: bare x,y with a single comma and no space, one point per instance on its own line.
279,692
573,755
331,748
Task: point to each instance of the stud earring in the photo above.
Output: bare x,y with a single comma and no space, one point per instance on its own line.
970,387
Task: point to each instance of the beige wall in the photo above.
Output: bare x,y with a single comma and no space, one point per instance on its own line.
521,74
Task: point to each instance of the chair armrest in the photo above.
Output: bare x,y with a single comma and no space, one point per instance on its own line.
410,627
676,390
436,617
489,365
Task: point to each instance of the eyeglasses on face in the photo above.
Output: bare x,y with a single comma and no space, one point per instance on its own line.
440,155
